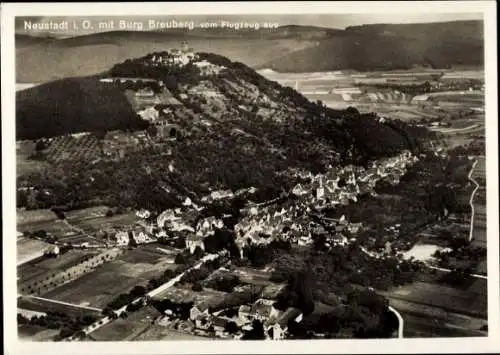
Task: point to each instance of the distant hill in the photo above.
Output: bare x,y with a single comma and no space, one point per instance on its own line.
237,130
286,49
72,105
388,46
39,60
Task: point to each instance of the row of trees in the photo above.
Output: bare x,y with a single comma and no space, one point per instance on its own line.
125,298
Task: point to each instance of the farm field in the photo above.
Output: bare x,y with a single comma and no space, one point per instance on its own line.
73,147
99,287
129,328
471,301
92,225
29,249
41,305
25,165
58,228
64,261
86,213
419,326
252,276
35,216
157,332
185,294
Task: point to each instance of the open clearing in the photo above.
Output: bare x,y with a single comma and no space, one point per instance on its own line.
30,333
94,224
87,213
35,216
471,301
40,305
157,332
127,329
25,165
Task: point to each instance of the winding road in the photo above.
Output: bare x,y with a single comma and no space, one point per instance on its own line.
471,202
400,321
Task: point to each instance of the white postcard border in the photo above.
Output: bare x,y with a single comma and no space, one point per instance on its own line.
459,345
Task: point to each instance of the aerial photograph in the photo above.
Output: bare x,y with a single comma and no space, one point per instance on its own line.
250,177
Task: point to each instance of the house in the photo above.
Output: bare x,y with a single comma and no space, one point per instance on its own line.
198,311
122,238
281,326
140,237
244,312
179,226
143,214
276,332
219,324
221,194
193,241
52,250
299,190
320,192
146,92
208,226
149,114
388,247
166,216
355,227
305,240
263,310
343,221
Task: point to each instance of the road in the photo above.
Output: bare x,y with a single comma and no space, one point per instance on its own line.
400,321
455,130
472,200
105,320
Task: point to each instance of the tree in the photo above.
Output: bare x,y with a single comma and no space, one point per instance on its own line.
138,291
123,315
231,327
80,334
40,145
66,332
179,259
257,332
198,252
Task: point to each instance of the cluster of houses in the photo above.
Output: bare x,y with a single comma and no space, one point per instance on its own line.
341,186
176,56
289,221
136,234
203,320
